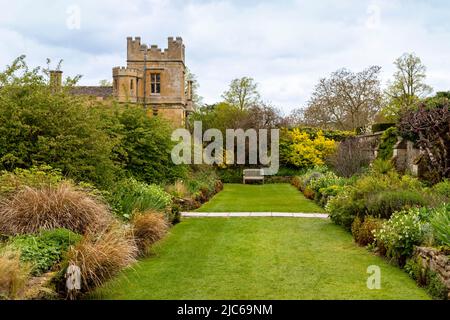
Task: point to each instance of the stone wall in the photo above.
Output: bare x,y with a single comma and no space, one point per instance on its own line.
405,157
405,154
370,143
133,82
436,261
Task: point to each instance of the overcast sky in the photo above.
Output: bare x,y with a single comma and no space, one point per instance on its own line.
286,46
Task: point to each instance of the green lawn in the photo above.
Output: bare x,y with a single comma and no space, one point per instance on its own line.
259,258
260,198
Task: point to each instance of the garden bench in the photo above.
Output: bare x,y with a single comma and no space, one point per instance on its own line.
253,175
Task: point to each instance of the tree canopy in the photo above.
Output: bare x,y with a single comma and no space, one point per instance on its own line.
346,100
407,87
242,93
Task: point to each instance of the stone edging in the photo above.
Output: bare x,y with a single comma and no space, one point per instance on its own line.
254,214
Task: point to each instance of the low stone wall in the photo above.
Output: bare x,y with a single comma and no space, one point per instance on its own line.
370,143
405,157
437,262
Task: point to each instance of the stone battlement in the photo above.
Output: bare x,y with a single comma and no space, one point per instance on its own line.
124,71
136,51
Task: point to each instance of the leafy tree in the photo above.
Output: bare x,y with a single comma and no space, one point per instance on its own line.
243,93
346,100
105,83
224,116
197,100
407,87
39,126
145,146
429,127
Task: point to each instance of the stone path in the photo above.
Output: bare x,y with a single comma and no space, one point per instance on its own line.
254,214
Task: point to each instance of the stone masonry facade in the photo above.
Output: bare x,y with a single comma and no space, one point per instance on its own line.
155,79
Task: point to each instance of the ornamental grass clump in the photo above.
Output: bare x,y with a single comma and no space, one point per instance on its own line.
148,228
13,273
31,210
440,223
101,256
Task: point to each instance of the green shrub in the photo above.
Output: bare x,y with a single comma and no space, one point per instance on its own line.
416,271
289,172
130,196
440,222
145,146
442,188
296,181
230,175
310,175
202,181
343,209
375,194
174,216
400,234
39,126
382,166
308,193
435,286
388,140
325,180
383,126
33,177
327,193
325,185
178,189
44,250
363,232
356,225
384,203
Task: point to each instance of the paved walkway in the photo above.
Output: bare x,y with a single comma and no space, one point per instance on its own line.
254,214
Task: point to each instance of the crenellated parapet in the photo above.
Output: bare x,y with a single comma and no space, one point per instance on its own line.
138,52
155,78
127,72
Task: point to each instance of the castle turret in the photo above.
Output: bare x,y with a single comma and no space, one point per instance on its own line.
127,84
137,52
155,78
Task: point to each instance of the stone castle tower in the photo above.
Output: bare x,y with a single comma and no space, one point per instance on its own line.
155,79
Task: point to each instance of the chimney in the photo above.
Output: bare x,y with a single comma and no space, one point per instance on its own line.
55,79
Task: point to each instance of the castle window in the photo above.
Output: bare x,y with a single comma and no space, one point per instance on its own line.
155,83
131,85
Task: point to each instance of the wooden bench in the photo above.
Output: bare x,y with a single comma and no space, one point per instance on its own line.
253,175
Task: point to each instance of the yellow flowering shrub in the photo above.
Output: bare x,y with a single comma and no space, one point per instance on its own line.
305,150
